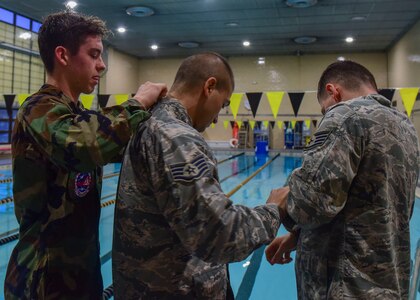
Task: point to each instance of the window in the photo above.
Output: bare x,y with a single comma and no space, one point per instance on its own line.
35,26
23,22
6,16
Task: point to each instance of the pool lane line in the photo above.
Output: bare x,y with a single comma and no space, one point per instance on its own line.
252,176
6,180
229,158
237,172
10,199
7,233
6,200
108,293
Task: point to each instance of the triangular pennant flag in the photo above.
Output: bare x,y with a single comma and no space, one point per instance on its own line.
258,123
235,101
22,97
308,123
232,123
252,124
103,100
254,101
275,98
9,99
314,122
212,125
87,100
265,123
120,98
293,124
280,124
296,100
272,123
387,93
408,96
246,123
239,124
225,124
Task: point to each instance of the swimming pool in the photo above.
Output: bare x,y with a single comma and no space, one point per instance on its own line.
253,278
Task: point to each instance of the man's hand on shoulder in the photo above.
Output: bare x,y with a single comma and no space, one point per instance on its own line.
149,93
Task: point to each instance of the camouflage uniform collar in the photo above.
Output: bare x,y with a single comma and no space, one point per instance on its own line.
377,97
381,99
173,107
56,92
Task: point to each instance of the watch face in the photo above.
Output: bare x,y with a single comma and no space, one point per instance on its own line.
246,104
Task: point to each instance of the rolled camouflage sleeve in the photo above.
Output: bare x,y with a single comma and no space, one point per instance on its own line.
193,203
318,190
83,140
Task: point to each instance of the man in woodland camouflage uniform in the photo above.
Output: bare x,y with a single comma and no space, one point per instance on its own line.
58,148
353,197
174,228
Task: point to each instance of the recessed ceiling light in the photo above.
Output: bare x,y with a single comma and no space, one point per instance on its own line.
154,47
231,24
349,39
358,18
25,35
188,45
341,58
121,29
246,43
305,40
301,3
139,11
261,60
71,4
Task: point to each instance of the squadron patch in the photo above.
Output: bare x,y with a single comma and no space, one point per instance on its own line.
82,184
190,171
319,140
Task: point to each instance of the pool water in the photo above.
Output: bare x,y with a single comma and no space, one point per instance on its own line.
253,278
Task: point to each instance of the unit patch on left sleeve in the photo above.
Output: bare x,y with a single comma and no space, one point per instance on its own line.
190,171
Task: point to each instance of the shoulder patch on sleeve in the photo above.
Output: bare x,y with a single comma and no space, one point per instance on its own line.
319,140
189,171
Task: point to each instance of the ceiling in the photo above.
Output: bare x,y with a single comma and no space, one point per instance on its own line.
269,25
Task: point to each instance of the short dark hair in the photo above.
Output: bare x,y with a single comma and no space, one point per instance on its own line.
349,74
196,69
68,29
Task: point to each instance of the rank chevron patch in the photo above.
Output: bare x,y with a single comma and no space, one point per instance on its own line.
190,171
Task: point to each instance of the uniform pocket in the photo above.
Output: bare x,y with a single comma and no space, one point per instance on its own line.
211,283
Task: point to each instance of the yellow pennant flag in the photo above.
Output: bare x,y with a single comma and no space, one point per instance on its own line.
280,124
235,101
265,123
274,98
225,124
212,125
21,98
239,124
308,123
87,100
120,98
408,96
252,124
293,124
